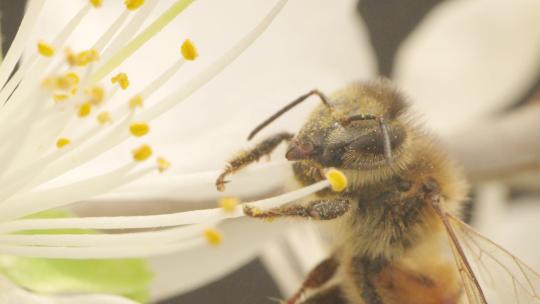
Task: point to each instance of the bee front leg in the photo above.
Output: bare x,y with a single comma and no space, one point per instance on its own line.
248,157
325,209
329,295
317,277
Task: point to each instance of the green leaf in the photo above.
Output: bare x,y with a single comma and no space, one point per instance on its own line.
126,277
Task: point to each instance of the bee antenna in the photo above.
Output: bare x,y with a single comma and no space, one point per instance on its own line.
291,105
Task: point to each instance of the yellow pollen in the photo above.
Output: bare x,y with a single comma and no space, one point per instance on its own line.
189,51
73,78
337,179
133,4
97,95
60,97
142,153
71,58
85,57
163,164
85,109
45,49
62,142
135,102
48,82
139,129
63,83
73,91
103,118
121,79
228,204
96,3
212,236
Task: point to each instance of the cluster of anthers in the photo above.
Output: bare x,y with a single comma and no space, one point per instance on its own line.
55,117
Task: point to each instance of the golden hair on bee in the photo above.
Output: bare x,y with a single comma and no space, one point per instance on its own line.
397,221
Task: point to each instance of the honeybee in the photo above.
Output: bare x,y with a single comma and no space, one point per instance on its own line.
398,236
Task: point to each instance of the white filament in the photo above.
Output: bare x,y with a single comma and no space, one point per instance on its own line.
156,221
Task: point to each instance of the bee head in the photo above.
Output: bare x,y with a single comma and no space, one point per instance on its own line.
358,127
357,144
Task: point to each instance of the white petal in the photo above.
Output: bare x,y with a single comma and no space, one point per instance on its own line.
181,272
470,58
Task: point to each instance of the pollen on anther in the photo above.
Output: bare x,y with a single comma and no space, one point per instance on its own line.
62,142
337,179
73,78
142,153
139,129
45,49
85,57
212,236
71,57
189,51
133,4
97,94
122,80
63,83
104,118
96,3
85,109
163,164
135,102
228,204
60,97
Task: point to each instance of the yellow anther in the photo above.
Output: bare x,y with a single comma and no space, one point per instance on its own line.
85,57
121,79
142,153
48,82
62,142
337,179
63,83
73,91
163,164
60,97
96,3
85,109
103,118
212,236
71,57
45,49
228,204
139,129
133,4
97,94
73,78
189,51
136,102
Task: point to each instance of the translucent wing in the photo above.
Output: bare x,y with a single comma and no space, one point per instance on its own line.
502,276
490,274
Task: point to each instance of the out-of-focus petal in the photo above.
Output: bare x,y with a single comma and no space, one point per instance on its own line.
181,272
10,293
470,58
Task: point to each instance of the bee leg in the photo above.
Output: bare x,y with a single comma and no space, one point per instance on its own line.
326,209
319,275
248,157
333,295
364,272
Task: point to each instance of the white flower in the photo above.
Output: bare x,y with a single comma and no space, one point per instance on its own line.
303,49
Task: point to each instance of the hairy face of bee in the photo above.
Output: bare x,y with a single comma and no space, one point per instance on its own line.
359,144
